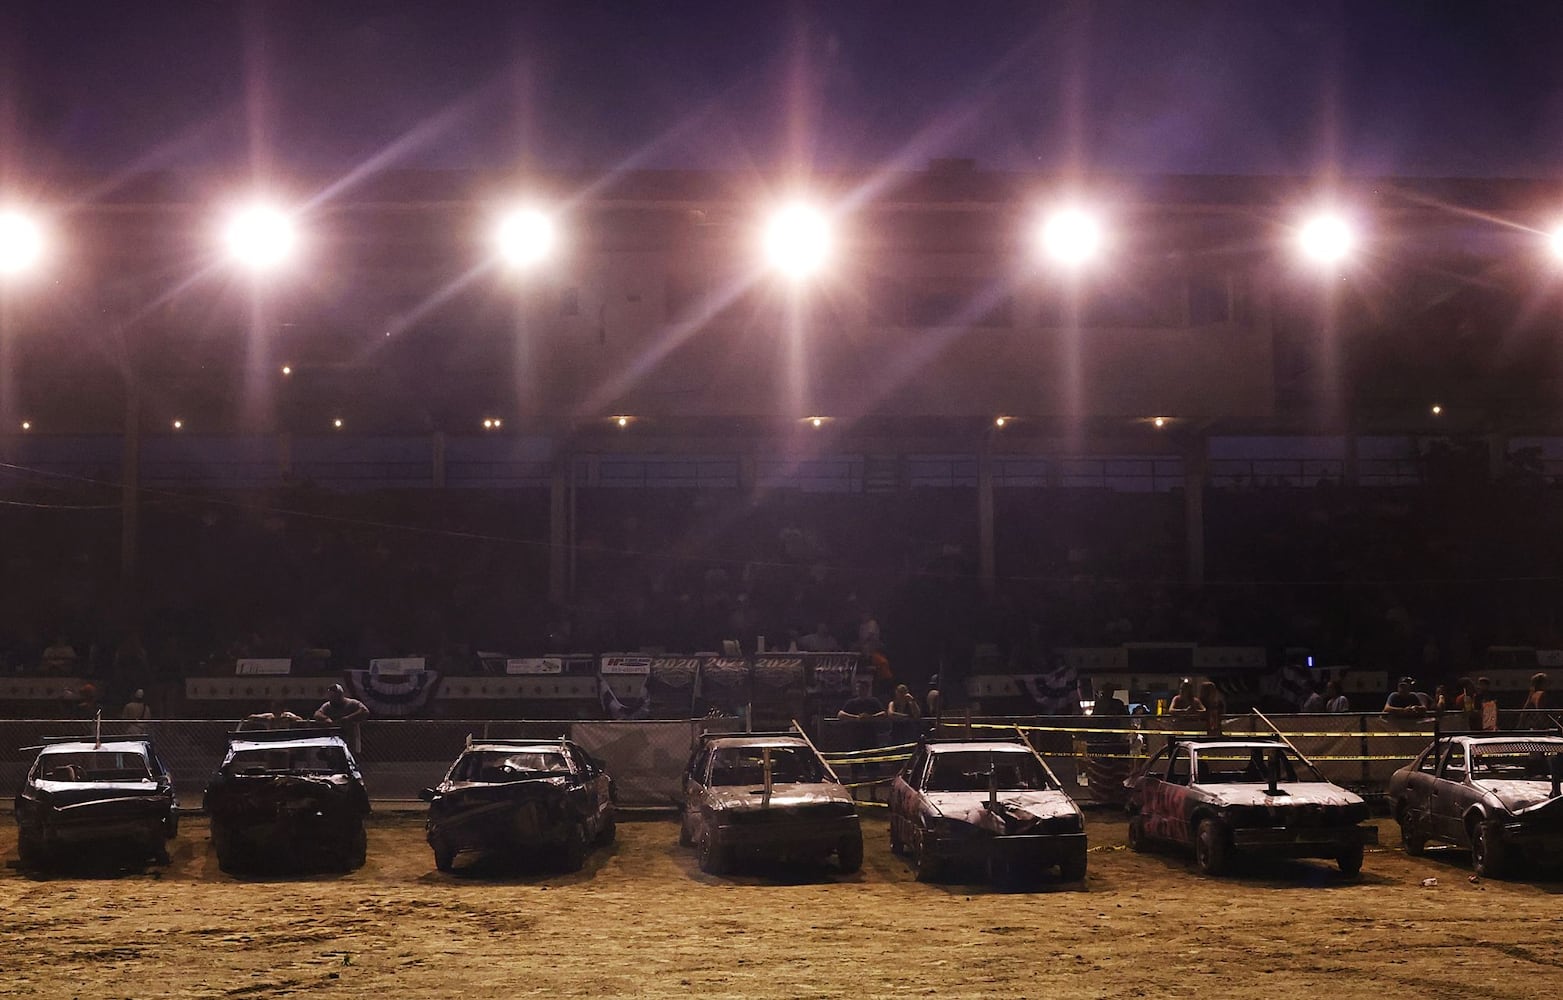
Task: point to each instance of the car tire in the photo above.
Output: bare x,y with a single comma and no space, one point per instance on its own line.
1137,842
610,830
1350,861
685,838
444,854
574,857
31,852
1072,868
849,853
158,852
229,857
1210,847
357,847
1488,856
927,867
1412,840
715,858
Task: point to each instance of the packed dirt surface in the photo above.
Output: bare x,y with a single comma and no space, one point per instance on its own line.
642,921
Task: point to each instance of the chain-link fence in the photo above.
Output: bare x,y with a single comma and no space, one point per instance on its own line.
1091,756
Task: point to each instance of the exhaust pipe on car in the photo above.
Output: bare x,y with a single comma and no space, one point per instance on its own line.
765,762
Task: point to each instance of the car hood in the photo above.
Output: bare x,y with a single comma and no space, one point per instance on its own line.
749,797
972,807
1520,796
65,794
1320,793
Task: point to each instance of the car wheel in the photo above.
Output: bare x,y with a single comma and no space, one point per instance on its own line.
1412,840
357,848
229,857
850,853
444,854
1487,852
1072,868
715,858
158,852
1210,847
1137,841
685,837
575,849
927,866
1350,861
31,852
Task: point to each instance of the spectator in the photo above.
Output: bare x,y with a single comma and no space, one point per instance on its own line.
136,709
348,713
935,700
1534,715
1441,699
60,658
1403,702
1486,705
1107,703
867,632
1315,701
1185,702
819,641
865,712
1215,707
276,717
1336,700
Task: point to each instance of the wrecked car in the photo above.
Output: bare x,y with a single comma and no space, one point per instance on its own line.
766,795
989,803
110,795
521,796
1244,796
289,798
1497,795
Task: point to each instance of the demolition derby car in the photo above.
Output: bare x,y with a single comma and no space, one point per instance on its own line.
109,795
521,796
992,803
766,795
1497,794
1245,796
290,798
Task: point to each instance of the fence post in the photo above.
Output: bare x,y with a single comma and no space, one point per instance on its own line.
1367,765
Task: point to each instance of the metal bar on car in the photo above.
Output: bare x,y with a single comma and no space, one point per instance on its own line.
814,748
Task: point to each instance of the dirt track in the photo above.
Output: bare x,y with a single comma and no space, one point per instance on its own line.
642,921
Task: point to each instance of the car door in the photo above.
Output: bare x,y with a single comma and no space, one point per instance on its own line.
593,788
695,779
905,794
1444,806
1417,795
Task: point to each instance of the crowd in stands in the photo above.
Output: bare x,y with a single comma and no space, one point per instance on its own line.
1411,580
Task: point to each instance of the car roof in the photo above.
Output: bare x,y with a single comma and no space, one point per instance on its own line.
980,746
740,741
517,746
302,741
80,746
1516,737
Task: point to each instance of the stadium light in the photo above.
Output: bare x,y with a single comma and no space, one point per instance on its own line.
260,236
21,242
1555,242
337,423
1159,422
179,425
1437,410
27,425
1071,237
525,237
1327,238
817,421
1000,421
798,240
287,370
622,419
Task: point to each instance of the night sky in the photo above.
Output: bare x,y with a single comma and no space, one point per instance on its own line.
1413,88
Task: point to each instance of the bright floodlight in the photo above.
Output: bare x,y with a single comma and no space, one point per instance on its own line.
526,237
260,237
1326,239
797,240
1555,242
21,242
1071,237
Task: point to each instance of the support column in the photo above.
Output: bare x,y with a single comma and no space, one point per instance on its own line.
130,501
987,561
1195,465
559,531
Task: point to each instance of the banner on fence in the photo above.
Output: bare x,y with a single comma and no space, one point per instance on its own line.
397,665
724,682
670,684
619,663
395,693
267,667
534,665
832,673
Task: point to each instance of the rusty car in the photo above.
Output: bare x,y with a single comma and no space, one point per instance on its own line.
766,795
103,796
989,803
521,797
1497,795
1245,796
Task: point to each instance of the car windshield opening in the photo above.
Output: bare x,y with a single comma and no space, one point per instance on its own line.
746,766
498,766
289,760
1252,765
1521,760
969,771
94,765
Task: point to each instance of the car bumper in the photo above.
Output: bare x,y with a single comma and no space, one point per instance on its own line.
1023,849
784,836
1536,841
1318,842
147,830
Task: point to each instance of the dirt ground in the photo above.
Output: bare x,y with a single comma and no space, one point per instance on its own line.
642,921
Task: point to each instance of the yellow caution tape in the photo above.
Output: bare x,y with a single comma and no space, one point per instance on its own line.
1086,730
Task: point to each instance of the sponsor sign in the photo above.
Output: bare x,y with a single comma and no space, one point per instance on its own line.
620,664
397,665
276,667
534,665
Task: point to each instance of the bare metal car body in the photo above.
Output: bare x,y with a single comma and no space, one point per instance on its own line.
291,798
111,794
992,803
1248,796
1496,794
766,795
519,796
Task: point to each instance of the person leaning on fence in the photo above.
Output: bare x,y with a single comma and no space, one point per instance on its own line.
1335,699
1185,702
276,717
1215,707
1403,702
136,709
865,713
904,712
340,710
1534,715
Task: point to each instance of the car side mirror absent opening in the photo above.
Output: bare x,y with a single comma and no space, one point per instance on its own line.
427,794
